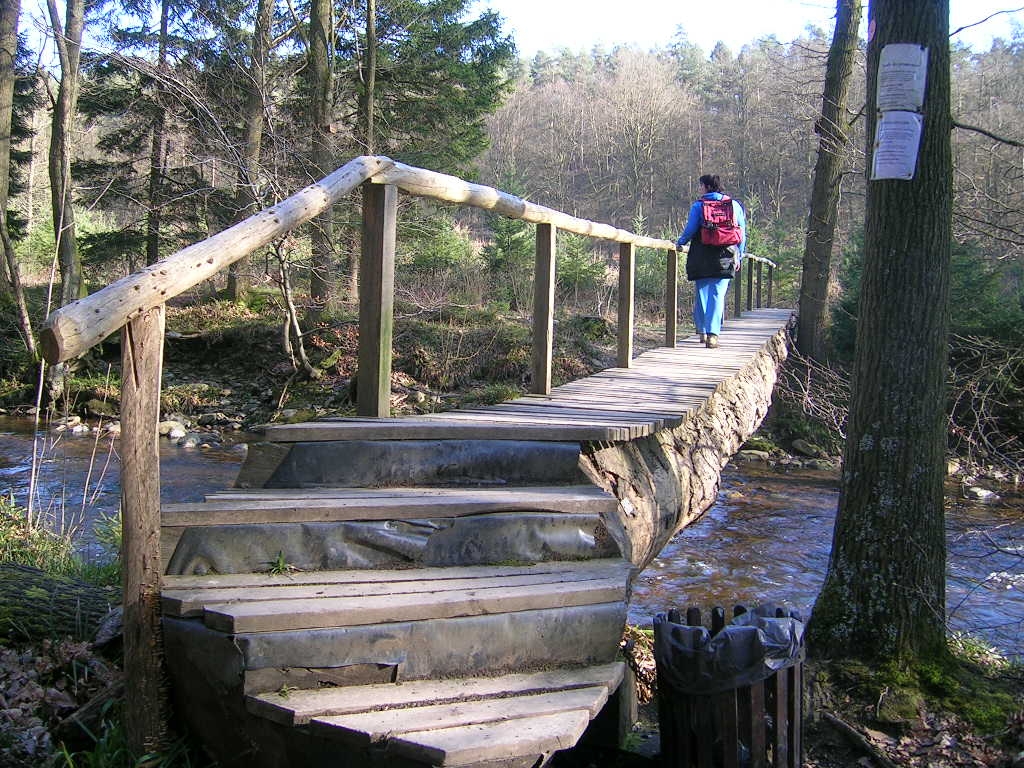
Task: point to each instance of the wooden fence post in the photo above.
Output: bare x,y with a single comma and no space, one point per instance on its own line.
737,291
771,282
376,299
627,268
760,269
147,710
672,298
543,309
750,288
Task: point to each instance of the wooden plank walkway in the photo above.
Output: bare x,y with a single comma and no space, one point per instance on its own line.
656,392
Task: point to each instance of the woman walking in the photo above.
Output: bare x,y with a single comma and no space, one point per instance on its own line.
716,231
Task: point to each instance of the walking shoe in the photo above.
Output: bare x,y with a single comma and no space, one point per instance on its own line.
712,341
703,337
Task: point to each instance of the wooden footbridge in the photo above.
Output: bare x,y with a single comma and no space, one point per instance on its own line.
440,590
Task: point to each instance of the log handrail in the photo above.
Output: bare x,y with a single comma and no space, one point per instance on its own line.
72,329
451,189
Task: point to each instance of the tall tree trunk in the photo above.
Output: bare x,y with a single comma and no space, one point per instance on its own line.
832,127
10,272
884,594
68,37
246,197
158,150
321,32
367,121
370,78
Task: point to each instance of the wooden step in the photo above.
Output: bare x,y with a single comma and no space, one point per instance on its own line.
365,728
300,707
374,597
280,615
441,427
458,722
343,504
478,743
185,596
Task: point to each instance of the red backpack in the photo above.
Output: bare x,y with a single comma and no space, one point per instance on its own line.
717,224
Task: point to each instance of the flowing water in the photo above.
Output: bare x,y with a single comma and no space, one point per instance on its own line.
766,539
78,477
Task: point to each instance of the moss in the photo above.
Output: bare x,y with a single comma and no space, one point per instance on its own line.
759,443
986,695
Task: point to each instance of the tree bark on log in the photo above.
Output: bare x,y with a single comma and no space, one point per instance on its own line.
35,605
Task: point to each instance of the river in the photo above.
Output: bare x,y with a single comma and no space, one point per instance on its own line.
766,539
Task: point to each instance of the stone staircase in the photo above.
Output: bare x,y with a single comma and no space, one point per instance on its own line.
401,602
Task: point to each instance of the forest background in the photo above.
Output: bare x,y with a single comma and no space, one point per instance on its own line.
167,122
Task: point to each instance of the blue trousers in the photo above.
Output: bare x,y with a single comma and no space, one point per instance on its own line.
709,304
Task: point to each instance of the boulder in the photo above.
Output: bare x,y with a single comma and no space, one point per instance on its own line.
97,408
807,449
977,493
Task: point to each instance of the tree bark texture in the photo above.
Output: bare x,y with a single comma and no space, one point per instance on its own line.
10,272
69,47
884,595
157,150
319,63
370,78
247,197
147,709
832,130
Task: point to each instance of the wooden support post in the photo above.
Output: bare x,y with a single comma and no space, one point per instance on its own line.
147,710
771,283
672,298
760,269
543,309
376,299
627,268
737,291
796,714
781,716
750,287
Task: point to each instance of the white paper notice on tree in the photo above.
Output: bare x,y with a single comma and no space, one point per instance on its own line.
897,139
902,68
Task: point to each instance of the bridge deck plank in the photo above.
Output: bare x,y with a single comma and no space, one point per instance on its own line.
656,391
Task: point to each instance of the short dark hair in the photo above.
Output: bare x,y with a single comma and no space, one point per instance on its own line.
713,183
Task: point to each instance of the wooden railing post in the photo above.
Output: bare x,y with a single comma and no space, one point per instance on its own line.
627,269
376,299
771,282
737,291
672,298
760,269
147,709
750,287
543,309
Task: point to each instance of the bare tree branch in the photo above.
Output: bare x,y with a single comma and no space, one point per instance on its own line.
987,18
983,132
